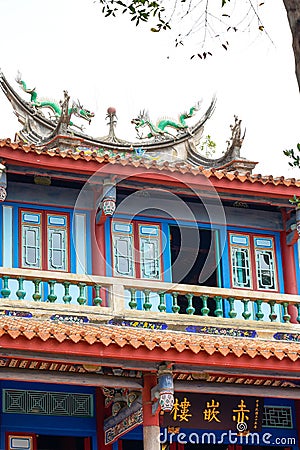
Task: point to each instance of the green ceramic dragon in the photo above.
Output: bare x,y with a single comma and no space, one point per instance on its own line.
159,129
76,108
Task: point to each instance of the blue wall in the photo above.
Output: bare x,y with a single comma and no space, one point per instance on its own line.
45,424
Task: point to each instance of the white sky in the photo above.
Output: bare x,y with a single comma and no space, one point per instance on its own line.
68,44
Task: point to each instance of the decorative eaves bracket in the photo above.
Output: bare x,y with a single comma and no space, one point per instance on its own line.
3,182
162,395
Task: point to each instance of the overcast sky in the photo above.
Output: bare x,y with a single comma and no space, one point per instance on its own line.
67,44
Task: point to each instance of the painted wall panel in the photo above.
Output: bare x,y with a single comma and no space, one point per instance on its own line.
80,242
297,263
7,236
49,195
167,208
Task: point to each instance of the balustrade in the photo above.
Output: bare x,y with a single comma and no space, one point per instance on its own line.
119,295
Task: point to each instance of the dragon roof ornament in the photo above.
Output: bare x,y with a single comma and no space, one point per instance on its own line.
169,140
76,109
161,130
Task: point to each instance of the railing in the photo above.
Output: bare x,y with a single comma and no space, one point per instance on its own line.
118,296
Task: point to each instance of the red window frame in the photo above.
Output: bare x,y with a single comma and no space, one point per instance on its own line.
136,247
44,238
253,268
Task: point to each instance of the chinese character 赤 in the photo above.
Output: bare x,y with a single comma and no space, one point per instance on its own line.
211,412
181,410
240,416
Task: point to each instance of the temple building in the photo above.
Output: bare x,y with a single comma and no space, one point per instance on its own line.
149,292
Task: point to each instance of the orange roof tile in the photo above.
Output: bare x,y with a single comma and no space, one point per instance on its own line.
136,337
148,164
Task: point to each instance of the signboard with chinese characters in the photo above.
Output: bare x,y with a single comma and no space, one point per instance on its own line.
209,411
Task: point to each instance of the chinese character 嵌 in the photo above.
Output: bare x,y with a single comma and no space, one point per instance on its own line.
211,412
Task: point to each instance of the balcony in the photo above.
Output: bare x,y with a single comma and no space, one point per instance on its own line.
73,297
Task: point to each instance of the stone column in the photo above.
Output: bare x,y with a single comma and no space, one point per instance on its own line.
151,429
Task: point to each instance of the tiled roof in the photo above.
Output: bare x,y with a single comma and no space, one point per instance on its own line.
111,335
144,163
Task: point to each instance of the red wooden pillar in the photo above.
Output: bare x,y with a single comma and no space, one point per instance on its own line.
98,247
100,421
98,253
151,429
97,239
289,273
297,410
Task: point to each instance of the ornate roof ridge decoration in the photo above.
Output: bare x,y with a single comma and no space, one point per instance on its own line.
59,132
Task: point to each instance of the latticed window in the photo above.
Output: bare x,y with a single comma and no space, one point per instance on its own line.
277,417
265,264
150,251
136,250
40,227
240,261
17,401
123,249
57,242
31,240
253,262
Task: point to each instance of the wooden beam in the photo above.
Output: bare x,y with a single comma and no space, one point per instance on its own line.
73,378
147,366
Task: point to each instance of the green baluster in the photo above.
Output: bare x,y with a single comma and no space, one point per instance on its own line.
162,302
5,291
286,316
81,299
21,292
259,314
37,295
204,310
298,310
175,306
246,313
272,315
147,305
219,309
232,312
51,296
133,302
67,298
97,300
190,309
